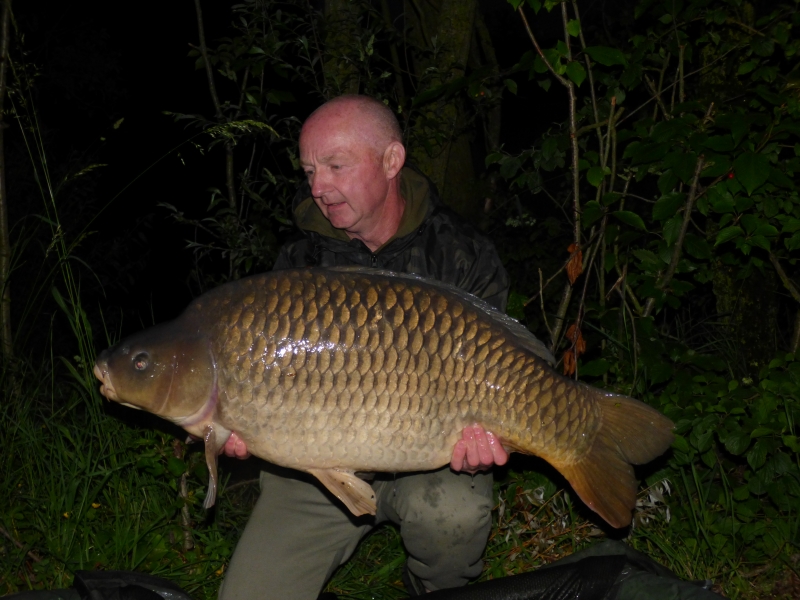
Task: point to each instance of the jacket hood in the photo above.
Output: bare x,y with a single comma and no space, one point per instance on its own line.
417,191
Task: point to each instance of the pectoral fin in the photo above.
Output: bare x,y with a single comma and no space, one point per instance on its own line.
356,494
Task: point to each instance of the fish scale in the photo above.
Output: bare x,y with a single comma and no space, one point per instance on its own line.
333,371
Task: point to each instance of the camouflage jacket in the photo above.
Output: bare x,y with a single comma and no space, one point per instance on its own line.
431,241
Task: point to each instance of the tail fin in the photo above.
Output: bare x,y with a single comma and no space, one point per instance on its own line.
631,432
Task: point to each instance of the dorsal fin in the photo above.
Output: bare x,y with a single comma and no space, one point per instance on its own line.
517,329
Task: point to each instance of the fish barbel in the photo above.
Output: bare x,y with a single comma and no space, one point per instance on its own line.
334,371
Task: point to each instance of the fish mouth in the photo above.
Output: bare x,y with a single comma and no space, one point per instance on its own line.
106,389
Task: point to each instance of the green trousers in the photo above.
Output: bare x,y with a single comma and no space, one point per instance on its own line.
299,533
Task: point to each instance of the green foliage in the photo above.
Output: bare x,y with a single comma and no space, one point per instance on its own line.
83,490
687,155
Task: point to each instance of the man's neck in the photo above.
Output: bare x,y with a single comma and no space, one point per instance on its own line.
387,223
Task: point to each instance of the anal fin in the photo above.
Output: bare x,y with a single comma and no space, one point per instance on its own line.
355,493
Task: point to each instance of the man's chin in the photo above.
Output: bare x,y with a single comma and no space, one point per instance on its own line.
341,221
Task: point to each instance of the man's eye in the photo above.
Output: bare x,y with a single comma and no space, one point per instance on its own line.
336,167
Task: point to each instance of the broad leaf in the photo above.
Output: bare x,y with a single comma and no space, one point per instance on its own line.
728,234
606,56
666,206
630,218
595,368
751,170
592,211
595,176
720,143
576,72
574,28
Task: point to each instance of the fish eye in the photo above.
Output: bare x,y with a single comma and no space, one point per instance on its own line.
140,361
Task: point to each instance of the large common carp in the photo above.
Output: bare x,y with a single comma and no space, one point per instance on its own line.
344,370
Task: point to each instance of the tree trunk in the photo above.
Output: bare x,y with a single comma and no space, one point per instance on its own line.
451,33
5,242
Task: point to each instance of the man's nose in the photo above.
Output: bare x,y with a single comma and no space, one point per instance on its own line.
320,184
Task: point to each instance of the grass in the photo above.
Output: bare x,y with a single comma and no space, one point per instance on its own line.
82,489
79,489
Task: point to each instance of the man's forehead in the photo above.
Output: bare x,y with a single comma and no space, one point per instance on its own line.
326,154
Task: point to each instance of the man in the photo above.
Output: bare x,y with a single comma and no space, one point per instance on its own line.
362,207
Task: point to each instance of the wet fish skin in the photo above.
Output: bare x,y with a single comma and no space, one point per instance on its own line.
336,371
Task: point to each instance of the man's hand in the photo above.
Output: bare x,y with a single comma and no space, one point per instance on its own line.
235,447
477,450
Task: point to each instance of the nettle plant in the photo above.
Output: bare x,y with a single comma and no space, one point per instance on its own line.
677,221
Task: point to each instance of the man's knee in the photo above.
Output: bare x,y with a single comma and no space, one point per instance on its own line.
445,520
445,508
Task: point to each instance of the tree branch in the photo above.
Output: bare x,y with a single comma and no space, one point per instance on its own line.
204,53
560,79
212,88
787,283
676,251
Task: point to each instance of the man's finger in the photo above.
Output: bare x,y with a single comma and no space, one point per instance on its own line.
485,457
473,454
458,462
499,454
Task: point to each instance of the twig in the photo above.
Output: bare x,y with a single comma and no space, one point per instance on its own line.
590,74
553,276
588,128
229,175
657,95
560,79
204,53
576,200
676,252
698,70
31,554
787,283
541,299
186,523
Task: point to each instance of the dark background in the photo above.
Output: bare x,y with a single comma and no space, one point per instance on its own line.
98,63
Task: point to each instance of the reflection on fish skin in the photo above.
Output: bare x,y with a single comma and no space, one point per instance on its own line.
343,370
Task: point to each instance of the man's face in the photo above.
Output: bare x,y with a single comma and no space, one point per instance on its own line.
345,172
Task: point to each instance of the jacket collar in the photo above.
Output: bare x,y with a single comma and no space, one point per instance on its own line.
417,191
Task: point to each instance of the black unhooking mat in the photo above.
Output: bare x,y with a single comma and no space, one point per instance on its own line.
609,570
111,585
606,571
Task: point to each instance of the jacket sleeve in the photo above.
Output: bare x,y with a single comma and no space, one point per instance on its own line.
293,255
486,277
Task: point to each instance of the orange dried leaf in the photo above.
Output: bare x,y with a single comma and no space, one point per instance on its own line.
575,336
575,263
569,362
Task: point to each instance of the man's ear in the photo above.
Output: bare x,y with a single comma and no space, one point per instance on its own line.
393,159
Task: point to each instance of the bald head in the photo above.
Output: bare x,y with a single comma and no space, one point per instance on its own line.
352,153
371,120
